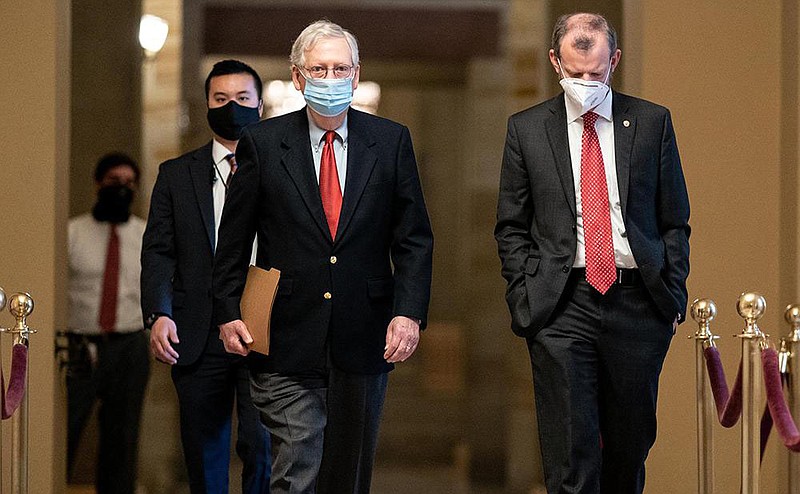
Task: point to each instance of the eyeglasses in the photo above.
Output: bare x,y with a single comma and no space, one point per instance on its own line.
339,72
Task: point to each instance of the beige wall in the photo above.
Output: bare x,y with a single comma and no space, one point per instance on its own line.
718,66
34,137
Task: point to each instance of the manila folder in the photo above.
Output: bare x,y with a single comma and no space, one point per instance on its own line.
256,305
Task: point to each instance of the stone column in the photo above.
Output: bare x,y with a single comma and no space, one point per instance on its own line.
106,100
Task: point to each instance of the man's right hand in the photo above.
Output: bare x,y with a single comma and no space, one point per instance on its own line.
235,337
162,335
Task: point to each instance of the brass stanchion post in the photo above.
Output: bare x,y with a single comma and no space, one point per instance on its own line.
20,305
2,308
703,311
751,307
789,358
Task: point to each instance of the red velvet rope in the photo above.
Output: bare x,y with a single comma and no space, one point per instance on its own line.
729,406
777,403
11,399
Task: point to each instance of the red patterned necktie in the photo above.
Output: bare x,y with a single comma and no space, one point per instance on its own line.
232,160
329,188
601,271
108,297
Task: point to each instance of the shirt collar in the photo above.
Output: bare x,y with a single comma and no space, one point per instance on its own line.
219,152
318,133
603,109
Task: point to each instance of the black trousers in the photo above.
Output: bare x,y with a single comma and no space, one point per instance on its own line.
113,370
207,391
596,368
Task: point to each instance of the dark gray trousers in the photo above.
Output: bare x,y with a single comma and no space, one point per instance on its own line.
324,426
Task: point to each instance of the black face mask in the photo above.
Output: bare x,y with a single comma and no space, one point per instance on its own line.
228,121
113,204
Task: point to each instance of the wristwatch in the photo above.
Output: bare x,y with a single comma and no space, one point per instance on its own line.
151,319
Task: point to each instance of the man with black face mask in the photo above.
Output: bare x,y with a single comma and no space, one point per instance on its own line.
177,260
107,346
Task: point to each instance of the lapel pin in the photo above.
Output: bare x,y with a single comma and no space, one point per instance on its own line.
626,123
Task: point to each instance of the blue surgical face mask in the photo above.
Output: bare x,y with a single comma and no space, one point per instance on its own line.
328,97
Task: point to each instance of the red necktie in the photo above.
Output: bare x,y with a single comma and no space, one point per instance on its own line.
108,298
232,160
329,188
601,271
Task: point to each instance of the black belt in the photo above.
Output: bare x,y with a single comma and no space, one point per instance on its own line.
625,277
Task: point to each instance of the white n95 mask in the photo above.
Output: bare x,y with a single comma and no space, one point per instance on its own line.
587,94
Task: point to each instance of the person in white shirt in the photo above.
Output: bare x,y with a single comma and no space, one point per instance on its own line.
108,359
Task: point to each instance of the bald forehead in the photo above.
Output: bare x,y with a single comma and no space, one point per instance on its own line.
586,41
585,31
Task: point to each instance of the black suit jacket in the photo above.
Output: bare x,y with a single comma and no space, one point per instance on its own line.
536,217
178,249
378,266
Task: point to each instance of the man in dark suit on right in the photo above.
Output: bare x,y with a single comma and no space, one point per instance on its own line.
592,230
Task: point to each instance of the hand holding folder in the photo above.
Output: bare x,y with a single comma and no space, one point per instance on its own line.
256,305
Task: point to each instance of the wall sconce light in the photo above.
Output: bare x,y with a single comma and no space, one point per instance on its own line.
152,34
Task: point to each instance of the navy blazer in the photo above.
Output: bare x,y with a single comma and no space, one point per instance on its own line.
536,216
178,249
335,297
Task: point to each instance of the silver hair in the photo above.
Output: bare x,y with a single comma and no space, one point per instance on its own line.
313,32
586,24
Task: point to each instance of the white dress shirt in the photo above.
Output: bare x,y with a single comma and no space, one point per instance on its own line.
222,170
88,244
605,133
317,137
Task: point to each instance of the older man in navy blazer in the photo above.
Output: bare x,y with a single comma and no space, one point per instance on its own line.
593,234
334,197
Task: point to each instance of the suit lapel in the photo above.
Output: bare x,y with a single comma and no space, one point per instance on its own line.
624,132
361,160
201,170
556,126
299,165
